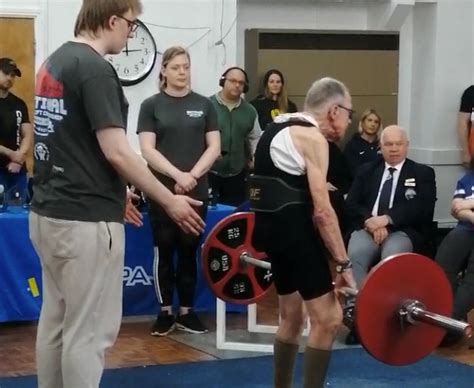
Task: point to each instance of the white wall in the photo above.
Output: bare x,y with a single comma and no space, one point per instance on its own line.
297,15
440,57
172,22
208,61
436,54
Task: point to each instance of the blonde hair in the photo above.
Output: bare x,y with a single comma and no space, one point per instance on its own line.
95,14
367,113
168,55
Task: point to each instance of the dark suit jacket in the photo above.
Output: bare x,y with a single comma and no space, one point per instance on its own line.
413,206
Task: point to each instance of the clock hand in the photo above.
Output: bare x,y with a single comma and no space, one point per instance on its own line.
132,51
126,48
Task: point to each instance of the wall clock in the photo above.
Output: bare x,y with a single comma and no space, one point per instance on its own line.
137,59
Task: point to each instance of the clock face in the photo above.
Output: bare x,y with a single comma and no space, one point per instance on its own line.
137,58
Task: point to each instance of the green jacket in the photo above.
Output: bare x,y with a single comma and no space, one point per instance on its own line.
240,132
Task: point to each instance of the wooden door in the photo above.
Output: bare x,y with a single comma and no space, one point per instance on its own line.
17,42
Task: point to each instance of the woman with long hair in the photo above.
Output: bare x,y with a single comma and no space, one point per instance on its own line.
274,99
364,145
180,140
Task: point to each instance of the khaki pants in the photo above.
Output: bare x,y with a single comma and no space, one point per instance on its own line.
82,264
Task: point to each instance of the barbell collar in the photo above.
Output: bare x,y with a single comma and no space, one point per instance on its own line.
416,311
246,258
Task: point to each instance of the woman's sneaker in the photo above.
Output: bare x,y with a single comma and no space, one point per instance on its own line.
165,323
191,323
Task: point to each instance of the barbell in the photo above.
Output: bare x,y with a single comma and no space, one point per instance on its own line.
401,313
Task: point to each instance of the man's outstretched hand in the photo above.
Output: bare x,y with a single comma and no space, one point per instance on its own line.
185,216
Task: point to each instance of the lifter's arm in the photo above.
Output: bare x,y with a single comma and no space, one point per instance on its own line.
316,155
315,151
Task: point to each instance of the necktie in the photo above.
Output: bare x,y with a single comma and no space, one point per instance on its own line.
385,193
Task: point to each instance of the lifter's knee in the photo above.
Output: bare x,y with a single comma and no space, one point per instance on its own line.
327,322
291,324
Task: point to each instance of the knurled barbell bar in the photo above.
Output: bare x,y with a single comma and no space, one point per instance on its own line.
401,313
412,311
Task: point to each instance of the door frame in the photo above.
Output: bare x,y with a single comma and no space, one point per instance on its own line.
38,13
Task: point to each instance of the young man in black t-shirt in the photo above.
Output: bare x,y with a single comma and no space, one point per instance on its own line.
76,220
16,133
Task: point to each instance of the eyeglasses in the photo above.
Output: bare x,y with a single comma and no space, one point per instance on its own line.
349,111
132,25
235,81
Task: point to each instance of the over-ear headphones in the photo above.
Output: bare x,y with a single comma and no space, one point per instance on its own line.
223,78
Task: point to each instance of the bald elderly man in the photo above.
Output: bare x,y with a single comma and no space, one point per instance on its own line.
390,205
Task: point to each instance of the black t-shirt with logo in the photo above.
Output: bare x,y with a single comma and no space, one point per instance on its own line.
13,113
180,125
77,94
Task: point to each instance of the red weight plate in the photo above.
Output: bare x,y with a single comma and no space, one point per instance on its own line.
228,278
261,279
392,281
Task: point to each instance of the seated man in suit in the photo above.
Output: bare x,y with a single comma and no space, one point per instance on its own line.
389,207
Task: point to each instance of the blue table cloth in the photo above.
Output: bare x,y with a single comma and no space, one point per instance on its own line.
20,271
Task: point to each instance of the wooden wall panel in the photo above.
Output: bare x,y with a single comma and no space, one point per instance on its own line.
371,76
364,72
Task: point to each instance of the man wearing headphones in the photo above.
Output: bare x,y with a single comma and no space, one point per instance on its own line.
240,132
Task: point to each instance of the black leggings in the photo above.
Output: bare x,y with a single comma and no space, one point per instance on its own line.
169,239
